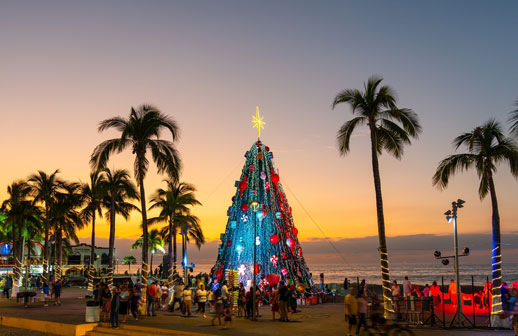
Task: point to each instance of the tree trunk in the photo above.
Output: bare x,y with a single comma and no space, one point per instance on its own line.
16,260
387,295
170,251
174,252
91,269
184,257
46,249
60,253
28,265
151,264
496,253
112,242
144,226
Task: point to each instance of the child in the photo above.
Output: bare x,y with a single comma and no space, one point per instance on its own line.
46,292
228,317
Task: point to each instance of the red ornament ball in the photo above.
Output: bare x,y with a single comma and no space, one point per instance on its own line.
295,231
229,243
290,242
244,207
275,178
274,239
267,148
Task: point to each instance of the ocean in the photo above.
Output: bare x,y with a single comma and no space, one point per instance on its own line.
419,274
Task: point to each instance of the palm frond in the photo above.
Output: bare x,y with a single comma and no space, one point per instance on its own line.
451,165
344,134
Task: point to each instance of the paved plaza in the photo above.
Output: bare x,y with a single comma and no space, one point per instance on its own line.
323,319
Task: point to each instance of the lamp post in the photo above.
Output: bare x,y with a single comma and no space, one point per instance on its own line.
452,215
255,206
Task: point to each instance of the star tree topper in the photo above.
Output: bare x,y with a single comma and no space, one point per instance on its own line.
258,122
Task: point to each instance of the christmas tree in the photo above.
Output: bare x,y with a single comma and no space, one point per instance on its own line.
260,205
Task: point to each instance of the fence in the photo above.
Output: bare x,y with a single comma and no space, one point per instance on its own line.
440,308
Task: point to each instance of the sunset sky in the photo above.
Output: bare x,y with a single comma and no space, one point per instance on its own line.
68,65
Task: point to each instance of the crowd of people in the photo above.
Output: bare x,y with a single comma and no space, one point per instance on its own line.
200,296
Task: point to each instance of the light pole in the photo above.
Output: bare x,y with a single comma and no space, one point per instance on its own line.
452,215
255,206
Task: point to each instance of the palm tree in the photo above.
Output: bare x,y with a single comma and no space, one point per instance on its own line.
118,189
141,132
44,187
93,195
20,212
66,219
487,148
189,226
129,260
155,243
390,128
513,119
173,201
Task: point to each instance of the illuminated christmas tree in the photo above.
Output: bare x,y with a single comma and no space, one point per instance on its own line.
260,201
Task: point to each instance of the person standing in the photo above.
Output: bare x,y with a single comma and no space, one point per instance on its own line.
275,301
57,292
8,286
224,293
187,301
426,291
452,291
241,301
249,299
219,306
138,286
106,298
114,309
362,311
407,287
201,294
46,293
284,296
351,309
124,302
135,302
178,294
165,293
151,299
396,294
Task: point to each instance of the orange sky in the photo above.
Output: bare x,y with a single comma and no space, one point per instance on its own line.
67,68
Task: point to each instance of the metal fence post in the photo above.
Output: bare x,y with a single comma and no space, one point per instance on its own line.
473,301
442,299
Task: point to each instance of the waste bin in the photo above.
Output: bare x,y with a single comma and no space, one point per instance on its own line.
92,311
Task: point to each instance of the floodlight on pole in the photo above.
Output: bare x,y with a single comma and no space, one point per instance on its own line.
255,206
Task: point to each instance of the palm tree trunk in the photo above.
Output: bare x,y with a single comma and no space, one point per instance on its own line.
170,251
16,259
387,296
91,271
496,253
28,265
174,252
184,255
60,254
111,243
151,264
46,249
140,158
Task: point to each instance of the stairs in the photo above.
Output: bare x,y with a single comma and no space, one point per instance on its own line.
135,330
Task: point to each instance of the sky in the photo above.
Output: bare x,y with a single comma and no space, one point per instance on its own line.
65,66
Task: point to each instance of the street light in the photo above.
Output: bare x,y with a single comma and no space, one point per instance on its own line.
255,206
451,215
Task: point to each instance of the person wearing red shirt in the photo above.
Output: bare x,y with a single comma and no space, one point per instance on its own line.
151,292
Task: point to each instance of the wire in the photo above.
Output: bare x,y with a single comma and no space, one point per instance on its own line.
316,224
221,182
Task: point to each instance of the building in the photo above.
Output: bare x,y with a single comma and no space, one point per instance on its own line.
78,259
